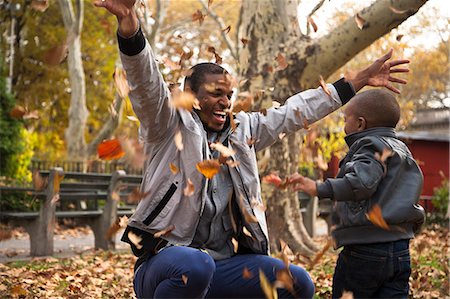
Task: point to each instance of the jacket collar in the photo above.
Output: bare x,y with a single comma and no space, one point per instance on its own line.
378,131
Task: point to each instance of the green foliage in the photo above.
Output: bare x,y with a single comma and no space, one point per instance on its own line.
440,202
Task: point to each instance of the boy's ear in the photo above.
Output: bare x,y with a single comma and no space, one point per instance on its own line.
362,123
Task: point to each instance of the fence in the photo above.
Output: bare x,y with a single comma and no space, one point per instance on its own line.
85,166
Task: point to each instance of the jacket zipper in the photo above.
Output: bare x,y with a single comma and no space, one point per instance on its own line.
161,204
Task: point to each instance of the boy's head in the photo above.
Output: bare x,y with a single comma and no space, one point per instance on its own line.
209,83
369,109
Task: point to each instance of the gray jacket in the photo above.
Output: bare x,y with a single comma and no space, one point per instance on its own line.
363,181
165,203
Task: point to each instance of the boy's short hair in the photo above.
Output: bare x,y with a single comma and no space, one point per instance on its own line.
197,74
378,106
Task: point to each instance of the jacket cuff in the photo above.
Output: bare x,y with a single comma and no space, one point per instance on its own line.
133,45
342,190
345,90
324,190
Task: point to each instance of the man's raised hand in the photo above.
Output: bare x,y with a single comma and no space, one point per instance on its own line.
124,11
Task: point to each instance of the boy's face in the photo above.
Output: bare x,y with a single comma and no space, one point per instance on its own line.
214,96
353,122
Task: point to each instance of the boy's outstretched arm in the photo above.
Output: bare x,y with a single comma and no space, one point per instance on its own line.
304,184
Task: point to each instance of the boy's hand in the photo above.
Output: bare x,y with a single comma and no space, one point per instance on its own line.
304,184
378,74
124,11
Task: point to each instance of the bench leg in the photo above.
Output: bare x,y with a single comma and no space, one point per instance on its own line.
97,226
41,237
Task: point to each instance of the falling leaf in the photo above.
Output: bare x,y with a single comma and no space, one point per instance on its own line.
39,182
399,37
225,151
324,86
184,278
235,244
231,163
164,232
312,23
57,182
31,115
17,112
273,179
286,253
375,216
120,81
360,22
39,5
246,274
18,291
184,100
243,102
248,217
198,16
282,63
251,141
244,41
135,239
226,30
285,280
135,196
208,168
56,54
218,58
189,189
384,155
281,135
5,234
247,232
276,104
110,150
266,286
173,168
112,230
123,221
170,64
255,204
178,139
397,11
320,254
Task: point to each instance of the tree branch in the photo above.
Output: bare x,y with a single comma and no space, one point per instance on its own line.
313,11
230,44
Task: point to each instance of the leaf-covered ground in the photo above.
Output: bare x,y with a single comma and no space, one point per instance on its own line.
109,275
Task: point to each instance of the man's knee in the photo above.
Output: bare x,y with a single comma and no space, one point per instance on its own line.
199,271
303,282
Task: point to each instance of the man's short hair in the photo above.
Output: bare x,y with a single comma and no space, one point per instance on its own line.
197,74
378,106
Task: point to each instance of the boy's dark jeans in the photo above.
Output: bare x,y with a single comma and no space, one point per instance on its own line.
379,270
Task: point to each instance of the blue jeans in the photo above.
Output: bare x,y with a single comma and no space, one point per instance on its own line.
379,270
184,272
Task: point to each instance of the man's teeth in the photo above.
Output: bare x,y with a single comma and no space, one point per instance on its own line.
220,113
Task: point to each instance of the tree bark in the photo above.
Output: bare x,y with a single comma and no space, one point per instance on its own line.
78,113
271,27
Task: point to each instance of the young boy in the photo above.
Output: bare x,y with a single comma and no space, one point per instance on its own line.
378,171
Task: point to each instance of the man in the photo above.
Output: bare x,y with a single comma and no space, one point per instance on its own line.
208,215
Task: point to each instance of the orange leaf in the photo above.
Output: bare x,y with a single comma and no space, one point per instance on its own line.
110,150
165,231
189,189
324,86
272,179
376,217
268,289
198,16
246,273
56,54
248,217
184,100
18,291
243,102
17,112
312,23
282,64
360,22
173,168
284,280
208,168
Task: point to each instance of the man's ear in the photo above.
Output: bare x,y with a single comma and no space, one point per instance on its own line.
362,124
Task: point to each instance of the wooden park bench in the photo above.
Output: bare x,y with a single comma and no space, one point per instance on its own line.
93,199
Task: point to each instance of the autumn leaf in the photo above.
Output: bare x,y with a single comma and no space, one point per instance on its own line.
110,150
384,155
222,149
226,30
285,280
198,16
266,286
178,139
39,182
56,54
184,100
209,168
17,112
246,273
112,230
165,231
375,216
18,291
184,278
235,244
173,168
189,189
244,41
5,234
135,239
281,135
39,5
273,179
282,63
399,37
243,102
135,196
320,254
170,64
312,23
324,86
120,81
360,22
134,152
248,217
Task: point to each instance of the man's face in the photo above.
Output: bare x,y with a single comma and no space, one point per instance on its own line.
214,96
352,121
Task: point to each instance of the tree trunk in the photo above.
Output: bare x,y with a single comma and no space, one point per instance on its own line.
78,113
271,27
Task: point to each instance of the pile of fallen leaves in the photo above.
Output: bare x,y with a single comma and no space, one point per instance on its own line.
101,274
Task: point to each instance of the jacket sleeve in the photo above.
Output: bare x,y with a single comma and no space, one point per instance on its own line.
300,110
362,174
149,94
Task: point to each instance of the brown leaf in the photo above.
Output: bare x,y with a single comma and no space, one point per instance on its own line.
178,139
184,278
384,155
110,150
285,280
320,254
112,230
218,58
375,216
136,196
39,5
360,22
399,37
173,168
31,115
5,234
184,100
226,30
208,168
312,23
56,54
244,41
120,81
18,291
198,16
165,231
247,274
282,63
269,291
135,239
17,112
170,64
243,102
189,189
324,86
248,217
39,182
